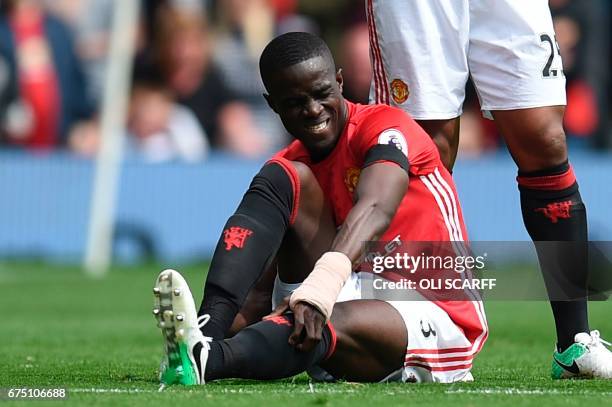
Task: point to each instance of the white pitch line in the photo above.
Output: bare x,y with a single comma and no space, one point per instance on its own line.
98,390
514,391
230,390
309,389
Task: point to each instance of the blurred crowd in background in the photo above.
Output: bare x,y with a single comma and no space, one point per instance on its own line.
195,84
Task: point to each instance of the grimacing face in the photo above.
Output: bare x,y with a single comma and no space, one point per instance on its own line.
308,98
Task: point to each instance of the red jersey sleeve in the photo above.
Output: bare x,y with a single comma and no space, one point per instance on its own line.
382,124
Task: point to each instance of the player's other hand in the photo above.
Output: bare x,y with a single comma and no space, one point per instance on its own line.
307,327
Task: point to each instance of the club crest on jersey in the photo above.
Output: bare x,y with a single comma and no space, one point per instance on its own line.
399,91
235,236
395,138
351,178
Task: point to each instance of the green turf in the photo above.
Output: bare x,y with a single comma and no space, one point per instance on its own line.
98,339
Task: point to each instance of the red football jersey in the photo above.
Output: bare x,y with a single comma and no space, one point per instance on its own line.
429,211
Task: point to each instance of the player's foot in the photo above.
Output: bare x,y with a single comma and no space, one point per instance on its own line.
588,357
186,349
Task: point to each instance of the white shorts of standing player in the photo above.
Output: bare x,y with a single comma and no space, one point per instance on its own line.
423,52
438,350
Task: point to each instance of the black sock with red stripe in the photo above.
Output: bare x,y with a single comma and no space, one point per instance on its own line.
249,242
262,352
553,212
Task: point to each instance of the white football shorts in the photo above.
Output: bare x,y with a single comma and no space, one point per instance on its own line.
437,351
423,51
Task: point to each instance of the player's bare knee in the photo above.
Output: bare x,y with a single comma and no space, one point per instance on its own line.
307,178
311,208
551,146
554,137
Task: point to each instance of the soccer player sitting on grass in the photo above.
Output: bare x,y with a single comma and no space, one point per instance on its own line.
354,173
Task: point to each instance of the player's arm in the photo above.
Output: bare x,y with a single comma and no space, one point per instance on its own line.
382,184
379,192
381,188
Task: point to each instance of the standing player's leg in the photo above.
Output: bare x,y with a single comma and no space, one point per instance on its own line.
521,83
414,70
553,212
518,74
445,133
548,186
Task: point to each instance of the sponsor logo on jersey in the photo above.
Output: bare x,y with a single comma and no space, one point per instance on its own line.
395,138
557,210
399,91
235,236
351,178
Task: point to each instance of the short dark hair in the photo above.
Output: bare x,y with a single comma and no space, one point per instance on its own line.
290,49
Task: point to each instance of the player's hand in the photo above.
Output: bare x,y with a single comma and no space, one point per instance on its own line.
308,323
307,327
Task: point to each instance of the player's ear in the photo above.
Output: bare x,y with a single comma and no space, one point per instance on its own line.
339,78
270,102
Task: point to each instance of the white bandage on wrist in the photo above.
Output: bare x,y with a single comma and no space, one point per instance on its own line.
322,286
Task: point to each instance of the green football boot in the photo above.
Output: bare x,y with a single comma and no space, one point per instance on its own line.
588,357
185,348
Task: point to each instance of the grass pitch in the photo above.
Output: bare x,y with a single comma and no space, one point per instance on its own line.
98,339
